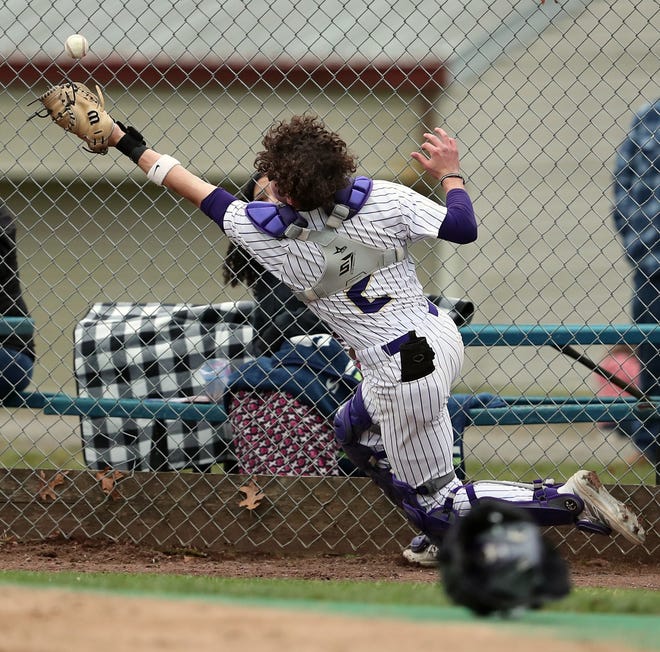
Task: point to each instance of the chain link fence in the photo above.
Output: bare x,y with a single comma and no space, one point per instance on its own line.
539,96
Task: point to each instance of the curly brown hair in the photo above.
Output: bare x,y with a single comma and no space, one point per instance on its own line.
308,162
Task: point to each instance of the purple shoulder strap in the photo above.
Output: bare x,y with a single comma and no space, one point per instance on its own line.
355,196
274,219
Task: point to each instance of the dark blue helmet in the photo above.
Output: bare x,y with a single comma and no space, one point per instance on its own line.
495,560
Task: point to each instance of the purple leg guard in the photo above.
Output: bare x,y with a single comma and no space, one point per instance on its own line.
547,508
351,420
433,523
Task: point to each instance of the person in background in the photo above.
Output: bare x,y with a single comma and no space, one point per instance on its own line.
280,407
636,217
283,426
622,361
17,352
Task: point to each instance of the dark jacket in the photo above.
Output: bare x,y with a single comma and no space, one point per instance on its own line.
12,303
637,191
278,315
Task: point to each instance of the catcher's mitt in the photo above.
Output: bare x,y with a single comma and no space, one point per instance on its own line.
76,109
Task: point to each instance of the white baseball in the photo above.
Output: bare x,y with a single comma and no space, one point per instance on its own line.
76,46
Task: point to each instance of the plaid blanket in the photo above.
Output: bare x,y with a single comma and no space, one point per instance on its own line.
153,350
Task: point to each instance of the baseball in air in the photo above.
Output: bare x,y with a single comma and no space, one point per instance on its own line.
76,46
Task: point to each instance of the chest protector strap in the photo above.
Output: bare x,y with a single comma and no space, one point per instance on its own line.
346,260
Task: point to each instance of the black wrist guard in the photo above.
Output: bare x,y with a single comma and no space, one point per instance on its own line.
132,144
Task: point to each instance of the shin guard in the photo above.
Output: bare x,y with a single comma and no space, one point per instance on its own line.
546,508
434,522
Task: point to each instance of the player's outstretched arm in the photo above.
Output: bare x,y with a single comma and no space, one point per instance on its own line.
75,108
161,169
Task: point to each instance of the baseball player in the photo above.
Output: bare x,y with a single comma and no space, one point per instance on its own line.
340,242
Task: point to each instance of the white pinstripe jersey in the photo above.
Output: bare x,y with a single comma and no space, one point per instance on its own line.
383,306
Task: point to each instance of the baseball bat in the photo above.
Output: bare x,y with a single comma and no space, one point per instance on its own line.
584,359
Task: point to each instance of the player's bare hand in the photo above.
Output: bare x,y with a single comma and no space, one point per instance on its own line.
440,155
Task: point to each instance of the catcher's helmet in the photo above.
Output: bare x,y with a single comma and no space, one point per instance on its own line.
495,560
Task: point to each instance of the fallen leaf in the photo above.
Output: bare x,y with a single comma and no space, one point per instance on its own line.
108,480
253,496
47,491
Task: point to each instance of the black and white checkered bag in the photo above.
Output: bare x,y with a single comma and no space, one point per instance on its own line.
153,350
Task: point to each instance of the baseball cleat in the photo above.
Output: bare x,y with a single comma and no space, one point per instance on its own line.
600,507
421,552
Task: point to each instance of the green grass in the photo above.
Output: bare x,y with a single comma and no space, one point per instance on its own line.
32,458
604,601
617,472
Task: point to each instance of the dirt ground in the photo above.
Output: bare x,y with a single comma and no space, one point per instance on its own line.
100,556
34,620
66,621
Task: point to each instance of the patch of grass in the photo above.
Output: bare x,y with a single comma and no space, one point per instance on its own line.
628,601
614,601
33,458
618,472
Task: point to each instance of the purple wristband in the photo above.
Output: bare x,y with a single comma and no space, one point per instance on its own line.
215,205
460,224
